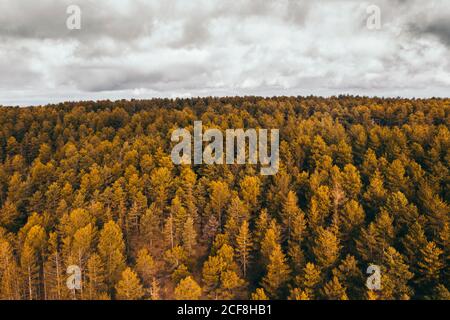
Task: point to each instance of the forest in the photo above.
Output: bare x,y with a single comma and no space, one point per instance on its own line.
361,181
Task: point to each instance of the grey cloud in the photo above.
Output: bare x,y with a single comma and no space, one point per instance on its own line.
203,47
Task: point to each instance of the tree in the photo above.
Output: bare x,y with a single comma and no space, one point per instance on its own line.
259,294
188,289
9,280
189,236
395,275
297,294
430,264
289,213
219,275
129,287
333,290
8,214
53,270
326,248
244,247
31,259
95,276
111,249
145,267
309,280
375,195
220,195
270,241
250,191
277,275
179,215
351,182
237,213
150,225
169,233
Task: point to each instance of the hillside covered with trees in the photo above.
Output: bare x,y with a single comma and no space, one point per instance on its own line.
362,181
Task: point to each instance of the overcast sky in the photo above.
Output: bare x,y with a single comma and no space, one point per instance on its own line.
169,48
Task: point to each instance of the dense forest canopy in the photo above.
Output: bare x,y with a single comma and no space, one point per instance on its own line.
362,181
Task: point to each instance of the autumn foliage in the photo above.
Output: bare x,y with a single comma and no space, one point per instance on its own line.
362,181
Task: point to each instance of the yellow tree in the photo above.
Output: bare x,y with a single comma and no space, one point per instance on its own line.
129,287
111,248
188,289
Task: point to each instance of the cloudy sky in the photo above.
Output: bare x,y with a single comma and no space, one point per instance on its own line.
170,48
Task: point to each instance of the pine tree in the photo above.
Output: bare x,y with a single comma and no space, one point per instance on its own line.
395,275
189,236
259,295
95,275
8,214
350,276
326,248
269,242
220,196
289,213
375,195
262,224
53,269
155,290
297,294
412,242
129,287
351,219
351,182
179,215
9,280
309,280
170,240
219,275
250,191
31,260
111,249
237,213
188,289
333,290
145,267
244,247
150,225
430,264
277,275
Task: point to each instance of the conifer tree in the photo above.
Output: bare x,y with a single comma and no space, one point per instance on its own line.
289,213
129,287
395,275
111,249
189,236
309,280
326,248
375,195
430,264
145,267
244,247
250,191
95,276
259,294
277,275
188,289
333,290
269,242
